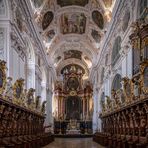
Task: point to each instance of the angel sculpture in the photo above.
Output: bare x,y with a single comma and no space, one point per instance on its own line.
9,89
37,102
30,96
109,102
115,98
43,107
102,105
24,98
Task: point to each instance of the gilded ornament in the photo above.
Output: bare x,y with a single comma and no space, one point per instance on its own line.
144,77
3,78
18,91
9,89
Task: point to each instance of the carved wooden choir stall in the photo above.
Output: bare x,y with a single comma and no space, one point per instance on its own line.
21,118
125,115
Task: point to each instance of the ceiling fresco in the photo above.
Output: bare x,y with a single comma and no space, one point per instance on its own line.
63,3
96,36
73,23
72,54
72,30
47,19
72,68
98,19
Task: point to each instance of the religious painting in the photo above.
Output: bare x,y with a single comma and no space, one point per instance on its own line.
73,23
96,36
98,19
47,19
63,3
73,83
73,108
72,54
50,35
37,3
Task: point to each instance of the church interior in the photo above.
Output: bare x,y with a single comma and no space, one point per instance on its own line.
73,73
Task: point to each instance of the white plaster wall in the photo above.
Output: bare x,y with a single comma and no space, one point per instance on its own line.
129,63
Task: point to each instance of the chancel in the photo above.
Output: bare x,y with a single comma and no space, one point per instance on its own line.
74,73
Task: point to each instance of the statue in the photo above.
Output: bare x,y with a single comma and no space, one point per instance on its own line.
3,80
43,107
30,97
9,90
102,105
109,103
120,96
37,102
18,88
116,101
24,98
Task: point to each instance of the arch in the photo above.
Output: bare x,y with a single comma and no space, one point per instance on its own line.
71,61
115,51
116,84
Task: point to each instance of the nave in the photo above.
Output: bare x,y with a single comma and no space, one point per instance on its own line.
73,143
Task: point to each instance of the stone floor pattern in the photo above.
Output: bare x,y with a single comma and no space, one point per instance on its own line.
73,143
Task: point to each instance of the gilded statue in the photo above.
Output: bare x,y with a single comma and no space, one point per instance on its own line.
128,89
120,96
3,80
18,91
144,78
9,89
103,105
30,98
24,97
115,98
43,107
108,103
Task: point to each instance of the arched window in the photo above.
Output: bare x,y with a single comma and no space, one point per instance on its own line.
116,49
143,4
116,84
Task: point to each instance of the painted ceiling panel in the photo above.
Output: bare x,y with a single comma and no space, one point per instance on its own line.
73,23
72,54
63,3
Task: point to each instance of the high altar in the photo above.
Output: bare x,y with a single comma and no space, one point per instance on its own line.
73,102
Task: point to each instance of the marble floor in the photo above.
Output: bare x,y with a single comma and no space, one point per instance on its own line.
73,143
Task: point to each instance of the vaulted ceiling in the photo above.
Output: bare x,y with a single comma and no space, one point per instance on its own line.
72,30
